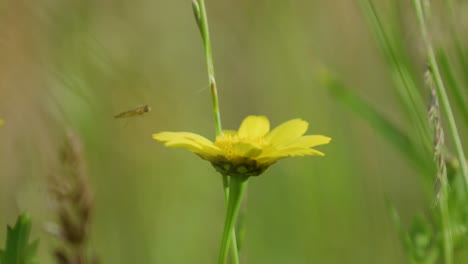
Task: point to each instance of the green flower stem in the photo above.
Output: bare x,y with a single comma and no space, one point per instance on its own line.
237,187
241,227
226,187
201,18
445,103
234,249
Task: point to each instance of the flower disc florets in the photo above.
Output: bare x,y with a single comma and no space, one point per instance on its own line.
236,162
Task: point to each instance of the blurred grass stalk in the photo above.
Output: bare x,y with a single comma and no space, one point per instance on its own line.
70,190
396,57
441,183
441,91
201,18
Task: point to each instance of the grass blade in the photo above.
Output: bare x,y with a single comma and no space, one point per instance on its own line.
441,91
379,122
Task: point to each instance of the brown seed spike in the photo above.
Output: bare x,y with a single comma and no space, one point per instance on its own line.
70,189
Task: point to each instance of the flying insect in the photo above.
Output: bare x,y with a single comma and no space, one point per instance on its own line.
137,111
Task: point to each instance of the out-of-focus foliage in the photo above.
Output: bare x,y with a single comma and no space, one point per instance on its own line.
18,249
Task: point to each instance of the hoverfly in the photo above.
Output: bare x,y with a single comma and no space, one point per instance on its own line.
137,111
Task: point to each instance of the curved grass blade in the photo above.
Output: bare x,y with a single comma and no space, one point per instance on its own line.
379,122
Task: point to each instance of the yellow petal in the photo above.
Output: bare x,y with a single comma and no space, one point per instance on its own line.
246,149
1,122
288,152
287,132
309,141
168,136
254,126
293,152
190,141
185,144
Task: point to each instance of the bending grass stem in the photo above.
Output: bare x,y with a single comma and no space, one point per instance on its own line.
237,187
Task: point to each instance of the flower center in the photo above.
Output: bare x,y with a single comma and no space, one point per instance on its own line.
236,159
226,144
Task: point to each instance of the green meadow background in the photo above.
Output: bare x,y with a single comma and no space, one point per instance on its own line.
75,64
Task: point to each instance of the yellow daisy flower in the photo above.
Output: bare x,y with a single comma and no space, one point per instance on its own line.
252,149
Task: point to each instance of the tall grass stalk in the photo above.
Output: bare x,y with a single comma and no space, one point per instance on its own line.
201,18
441,91
441,183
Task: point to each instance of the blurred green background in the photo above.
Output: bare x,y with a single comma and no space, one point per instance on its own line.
75,64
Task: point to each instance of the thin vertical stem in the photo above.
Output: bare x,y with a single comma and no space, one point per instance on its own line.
234,248
441,92
241,227
236,191
202,22
441,183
